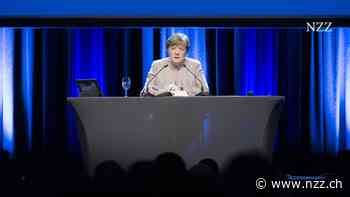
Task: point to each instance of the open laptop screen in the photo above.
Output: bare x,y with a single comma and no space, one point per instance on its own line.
88,88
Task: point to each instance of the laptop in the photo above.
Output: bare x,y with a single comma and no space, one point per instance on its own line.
88,88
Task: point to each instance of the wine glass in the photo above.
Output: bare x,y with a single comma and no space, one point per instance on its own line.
126,83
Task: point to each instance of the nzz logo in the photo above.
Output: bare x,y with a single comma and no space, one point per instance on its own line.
318,26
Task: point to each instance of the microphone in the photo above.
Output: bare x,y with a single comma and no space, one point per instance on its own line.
154,76
195,76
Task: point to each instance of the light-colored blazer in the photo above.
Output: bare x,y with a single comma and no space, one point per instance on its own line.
189,77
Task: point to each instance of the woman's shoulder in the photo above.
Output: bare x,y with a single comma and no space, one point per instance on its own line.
192,61
193,64
161,62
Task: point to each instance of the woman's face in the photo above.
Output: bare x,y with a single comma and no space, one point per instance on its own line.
177,53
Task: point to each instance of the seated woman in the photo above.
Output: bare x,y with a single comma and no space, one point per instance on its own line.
176,75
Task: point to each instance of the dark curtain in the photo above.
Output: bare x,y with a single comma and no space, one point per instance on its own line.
274,61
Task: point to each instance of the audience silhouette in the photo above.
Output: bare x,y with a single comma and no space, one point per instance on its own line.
46,173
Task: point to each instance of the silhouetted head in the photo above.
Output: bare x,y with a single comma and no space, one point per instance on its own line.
141,176
170,163
170,172
109,171
4,155
243,171
202,178
211,163
202,171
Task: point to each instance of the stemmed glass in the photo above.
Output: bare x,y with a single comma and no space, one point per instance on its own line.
126,83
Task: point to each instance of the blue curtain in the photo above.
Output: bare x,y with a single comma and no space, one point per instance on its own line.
310,70
7,56
86,53
147,51
256,61
330,91
27,84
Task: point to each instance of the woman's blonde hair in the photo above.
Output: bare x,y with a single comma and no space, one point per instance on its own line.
176,39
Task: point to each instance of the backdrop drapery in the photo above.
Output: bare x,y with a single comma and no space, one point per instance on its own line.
330,91
39,68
